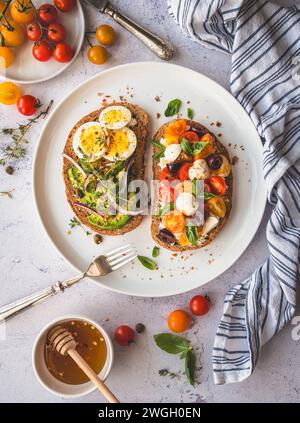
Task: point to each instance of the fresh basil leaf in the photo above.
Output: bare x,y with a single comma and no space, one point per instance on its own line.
160,150
186,146
155,251
190,113
191,233
157,144
173,107
164,210
159,155
190,365
147,262
198,147
170,343
208,195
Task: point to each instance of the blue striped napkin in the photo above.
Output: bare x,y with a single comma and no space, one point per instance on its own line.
264,41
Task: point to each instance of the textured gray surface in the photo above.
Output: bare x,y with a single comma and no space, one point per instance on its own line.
29,262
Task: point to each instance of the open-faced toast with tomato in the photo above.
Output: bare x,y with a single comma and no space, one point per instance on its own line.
184,152
100,149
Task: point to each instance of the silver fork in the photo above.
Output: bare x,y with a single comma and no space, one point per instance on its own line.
101,266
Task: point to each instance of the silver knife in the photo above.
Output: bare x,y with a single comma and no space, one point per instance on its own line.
161,48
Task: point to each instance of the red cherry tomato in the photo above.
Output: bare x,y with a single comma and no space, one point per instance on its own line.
183,172
199,305
62,52
65,5
124,335
27,105
41,51
56,32
166,174
218,185
190,136
47,14
207,187
34,31
166,192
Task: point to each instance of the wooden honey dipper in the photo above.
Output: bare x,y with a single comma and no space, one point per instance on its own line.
64,343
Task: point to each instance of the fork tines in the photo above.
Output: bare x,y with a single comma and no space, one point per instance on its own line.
120,256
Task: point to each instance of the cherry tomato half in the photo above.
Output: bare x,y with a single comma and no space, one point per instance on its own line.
199,305
217,206
190,136
207,187
62,53
124,335
174,222
34,31
42,51
47,14
166,192
65,5
178,321
165,174
9,93
183,172
56,32
218,185
27,105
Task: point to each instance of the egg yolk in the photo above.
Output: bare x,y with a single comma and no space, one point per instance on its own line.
118,143
92,140
113,116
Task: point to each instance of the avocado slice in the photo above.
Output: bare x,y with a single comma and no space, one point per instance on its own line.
111,222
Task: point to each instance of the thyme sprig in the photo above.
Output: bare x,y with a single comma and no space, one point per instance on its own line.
16,148
75,222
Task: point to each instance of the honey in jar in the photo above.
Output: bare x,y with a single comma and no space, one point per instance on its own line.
90,345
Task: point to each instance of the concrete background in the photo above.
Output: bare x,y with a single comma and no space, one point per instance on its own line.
29,262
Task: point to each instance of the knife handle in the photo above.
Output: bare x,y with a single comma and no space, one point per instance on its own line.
161,48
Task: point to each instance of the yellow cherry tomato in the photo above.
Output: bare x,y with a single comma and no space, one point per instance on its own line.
178,321
6,57
22,11
97,55
174,222
13,33
2,6
217,206
9,93
106,35
225,168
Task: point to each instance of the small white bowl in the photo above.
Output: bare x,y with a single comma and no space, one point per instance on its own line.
52,384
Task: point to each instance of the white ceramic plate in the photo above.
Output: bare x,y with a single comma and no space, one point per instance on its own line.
211,103
27,70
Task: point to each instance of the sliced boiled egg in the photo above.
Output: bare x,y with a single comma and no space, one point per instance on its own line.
186,203
89,141
121,144
115,117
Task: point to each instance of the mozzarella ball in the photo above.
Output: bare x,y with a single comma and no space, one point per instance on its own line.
172,152
186,203
199,170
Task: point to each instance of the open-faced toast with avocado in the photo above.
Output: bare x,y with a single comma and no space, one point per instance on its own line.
101,148
186,155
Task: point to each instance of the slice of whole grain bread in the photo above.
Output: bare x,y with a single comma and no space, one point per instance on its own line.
141,132
227,197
